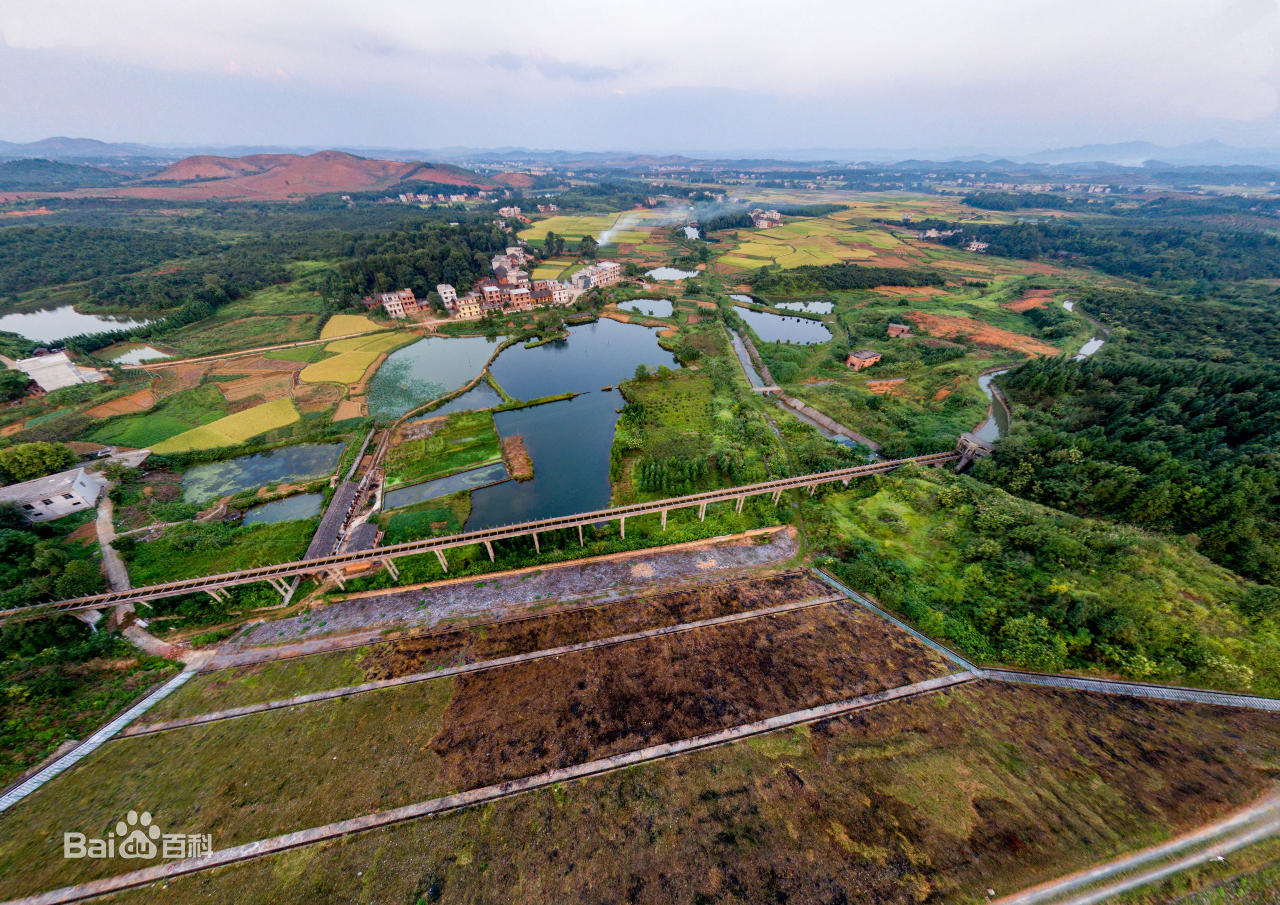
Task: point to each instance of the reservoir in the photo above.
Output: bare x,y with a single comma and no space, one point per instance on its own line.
53,324
304,505
568,441
774,328
431,367
304,462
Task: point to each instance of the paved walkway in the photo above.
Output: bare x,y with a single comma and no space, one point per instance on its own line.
113,565
483,795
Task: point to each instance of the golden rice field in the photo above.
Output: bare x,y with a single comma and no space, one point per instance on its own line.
233,429
346,324
354,357
819,241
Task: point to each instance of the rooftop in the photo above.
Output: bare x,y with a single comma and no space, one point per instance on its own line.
42,487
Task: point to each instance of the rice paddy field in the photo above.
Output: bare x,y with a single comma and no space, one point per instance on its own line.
233,429
352,357
346,324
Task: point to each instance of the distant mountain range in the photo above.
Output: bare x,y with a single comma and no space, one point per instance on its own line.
1126,154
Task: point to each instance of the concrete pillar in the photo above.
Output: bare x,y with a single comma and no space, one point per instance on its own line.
623,524
581,542
90,618
488,546
664,520
391,567
812,488
777,495
216,593
336,575
741,500
440,556
846,483
702,512
536,548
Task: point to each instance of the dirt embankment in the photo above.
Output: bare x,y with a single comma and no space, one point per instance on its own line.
520,636
544,714
516,458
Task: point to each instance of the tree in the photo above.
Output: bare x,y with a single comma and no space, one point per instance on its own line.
13,385
28,461
642,372
552,245
588,248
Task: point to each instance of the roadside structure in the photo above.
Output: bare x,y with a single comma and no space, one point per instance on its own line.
897,331
863,359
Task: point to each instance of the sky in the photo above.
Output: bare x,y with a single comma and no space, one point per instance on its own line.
658,76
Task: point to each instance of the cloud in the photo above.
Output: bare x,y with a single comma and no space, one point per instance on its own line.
552,67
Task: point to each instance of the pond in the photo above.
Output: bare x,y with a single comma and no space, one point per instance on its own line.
808,307
691,232
568,441
998,424
745,299
670,273
304,462
52,324
430,490
775,328
1090,347
431,367
481,396
304,505
651,307
136,355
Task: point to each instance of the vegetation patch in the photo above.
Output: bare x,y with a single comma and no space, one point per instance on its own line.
464,441
233,429
210,548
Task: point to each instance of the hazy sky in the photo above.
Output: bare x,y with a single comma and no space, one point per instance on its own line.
656,75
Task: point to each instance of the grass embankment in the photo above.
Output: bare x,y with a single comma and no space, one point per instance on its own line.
1014,582
307,766
937,798
441,647
464,440
67,692
233,429
209,548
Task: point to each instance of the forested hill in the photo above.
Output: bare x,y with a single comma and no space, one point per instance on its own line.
1176,428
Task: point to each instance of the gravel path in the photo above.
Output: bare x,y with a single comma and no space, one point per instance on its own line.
602,578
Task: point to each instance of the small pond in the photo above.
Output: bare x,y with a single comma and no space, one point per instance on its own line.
431,367
745,299
651,307
304,462
774,328
304,505
136,355
1090,347
691,232
808,307
481,396
429,490
52,324
671,273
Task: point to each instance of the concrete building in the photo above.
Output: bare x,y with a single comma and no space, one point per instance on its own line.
516,254
509,212
55,371
864,359
468,307
448,294
45,499
398,304
765,219
604,273
897,331
558,292
518,298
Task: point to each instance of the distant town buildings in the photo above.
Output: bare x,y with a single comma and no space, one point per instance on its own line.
761,219
411,198
547,208
863,359
977,246
897,331
509,211
45,499
507,290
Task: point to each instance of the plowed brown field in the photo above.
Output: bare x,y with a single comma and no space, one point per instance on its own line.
983,334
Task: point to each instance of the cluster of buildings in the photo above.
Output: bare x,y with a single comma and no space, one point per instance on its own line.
761,219
511,211
410,198
604,273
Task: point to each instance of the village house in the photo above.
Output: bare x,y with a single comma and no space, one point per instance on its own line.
605,273
399,304
468,306
509,212
448,295
559,292
864,359
897,331
54,496
761,219
518,298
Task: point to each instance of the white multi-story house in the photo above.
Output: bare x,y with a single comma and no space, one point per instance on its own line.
448,294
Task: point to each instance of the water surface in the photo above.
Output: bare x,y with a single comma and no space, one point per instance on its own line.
753,376
671,273
304,505
429,368
481,396
1089,348
808,307
774,328
745,299
52,324
429,490
135,355
998,424
651,307
304,462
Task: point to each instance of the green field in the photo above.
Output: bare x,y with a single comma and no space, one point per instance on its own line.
194,549
233,429
467,440
228,333
173,416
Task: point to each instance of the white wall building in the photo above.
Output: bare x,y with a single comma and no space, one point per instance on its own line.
45,499
53,372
